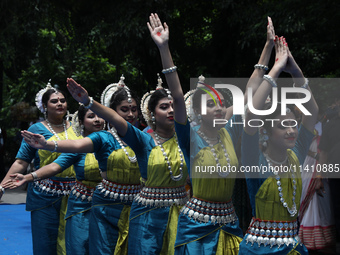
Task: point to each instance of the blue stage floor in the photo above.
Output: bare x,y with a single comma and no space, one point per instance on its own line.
15,230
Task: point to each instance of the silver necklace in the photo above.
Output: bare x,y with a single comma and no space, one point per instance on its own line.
115,135
53,132
292,211
276,162
213,151
177,177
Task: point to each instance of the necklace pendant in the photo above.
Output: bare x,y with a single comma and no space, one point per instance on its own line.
177,177
132,159
223,174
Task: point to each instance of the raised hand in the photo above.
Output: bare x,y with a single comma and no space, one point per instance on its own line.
15,181
37,141
159,33
77,91
281,51
291,67
270,32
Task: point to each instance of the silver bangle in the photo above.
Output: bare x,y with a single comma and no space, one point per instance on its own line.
89,105
305,85
55,145
262,67
2,189
35,176
269,79
169,70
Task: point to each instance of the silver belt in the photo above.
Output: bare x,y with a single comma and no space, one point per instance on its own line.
205,211
82,191
116,191
272,233
54,187
162,196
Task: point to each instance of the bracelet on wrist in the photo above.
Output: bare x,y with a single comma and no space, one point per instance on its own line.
169,70
89,105
262,67
2,189
35,176
269,79
305,85
55,145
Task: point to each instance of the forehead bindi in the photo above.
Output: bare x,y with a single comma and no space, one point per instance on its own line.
57,96
164,101
125,103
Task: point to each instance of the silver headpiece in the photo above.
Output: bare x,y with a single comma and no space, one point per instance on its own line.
39,95
144,104
188,100
111,89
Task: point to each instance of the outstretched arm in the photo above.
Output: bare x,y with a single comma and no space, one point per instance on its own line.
17,180
19,166
80,94
160,35
38,141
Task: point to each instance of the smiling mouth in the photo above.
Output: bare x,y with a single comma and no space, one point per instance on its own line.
130,120
171,118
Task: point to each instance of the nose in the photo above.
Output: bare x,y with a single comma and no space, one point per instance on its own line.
130,113
96,118
171,109
218,106
290,130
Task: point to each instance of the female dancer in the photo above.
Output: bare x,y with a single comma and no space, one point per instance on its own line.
154,212
208,221
317,226
112,199
275,195
87,178
47,199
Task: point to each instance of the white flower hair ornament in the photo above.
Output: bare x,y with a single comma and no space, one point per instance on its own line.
111,89
39,95
192,117
144,104
75,124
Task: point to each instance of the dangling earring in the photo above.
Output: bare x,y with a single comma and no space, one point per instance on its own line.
264,137
82,129
45,113
153,119
104,126
199,117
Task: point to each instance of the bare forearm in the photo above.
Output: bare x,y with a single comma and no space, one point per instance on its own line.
110,116
84,145
257,75
174,84
44,172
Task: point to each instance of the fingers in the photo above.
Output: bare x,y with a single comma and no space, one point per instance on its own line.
166,27
158,21
154,21
149,27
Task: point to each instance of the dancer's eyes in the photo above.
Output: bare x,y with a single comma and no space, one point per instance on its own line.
126,108
54,101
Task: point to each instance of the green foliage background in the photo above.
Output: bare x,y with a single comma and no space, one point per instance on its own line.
97,41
